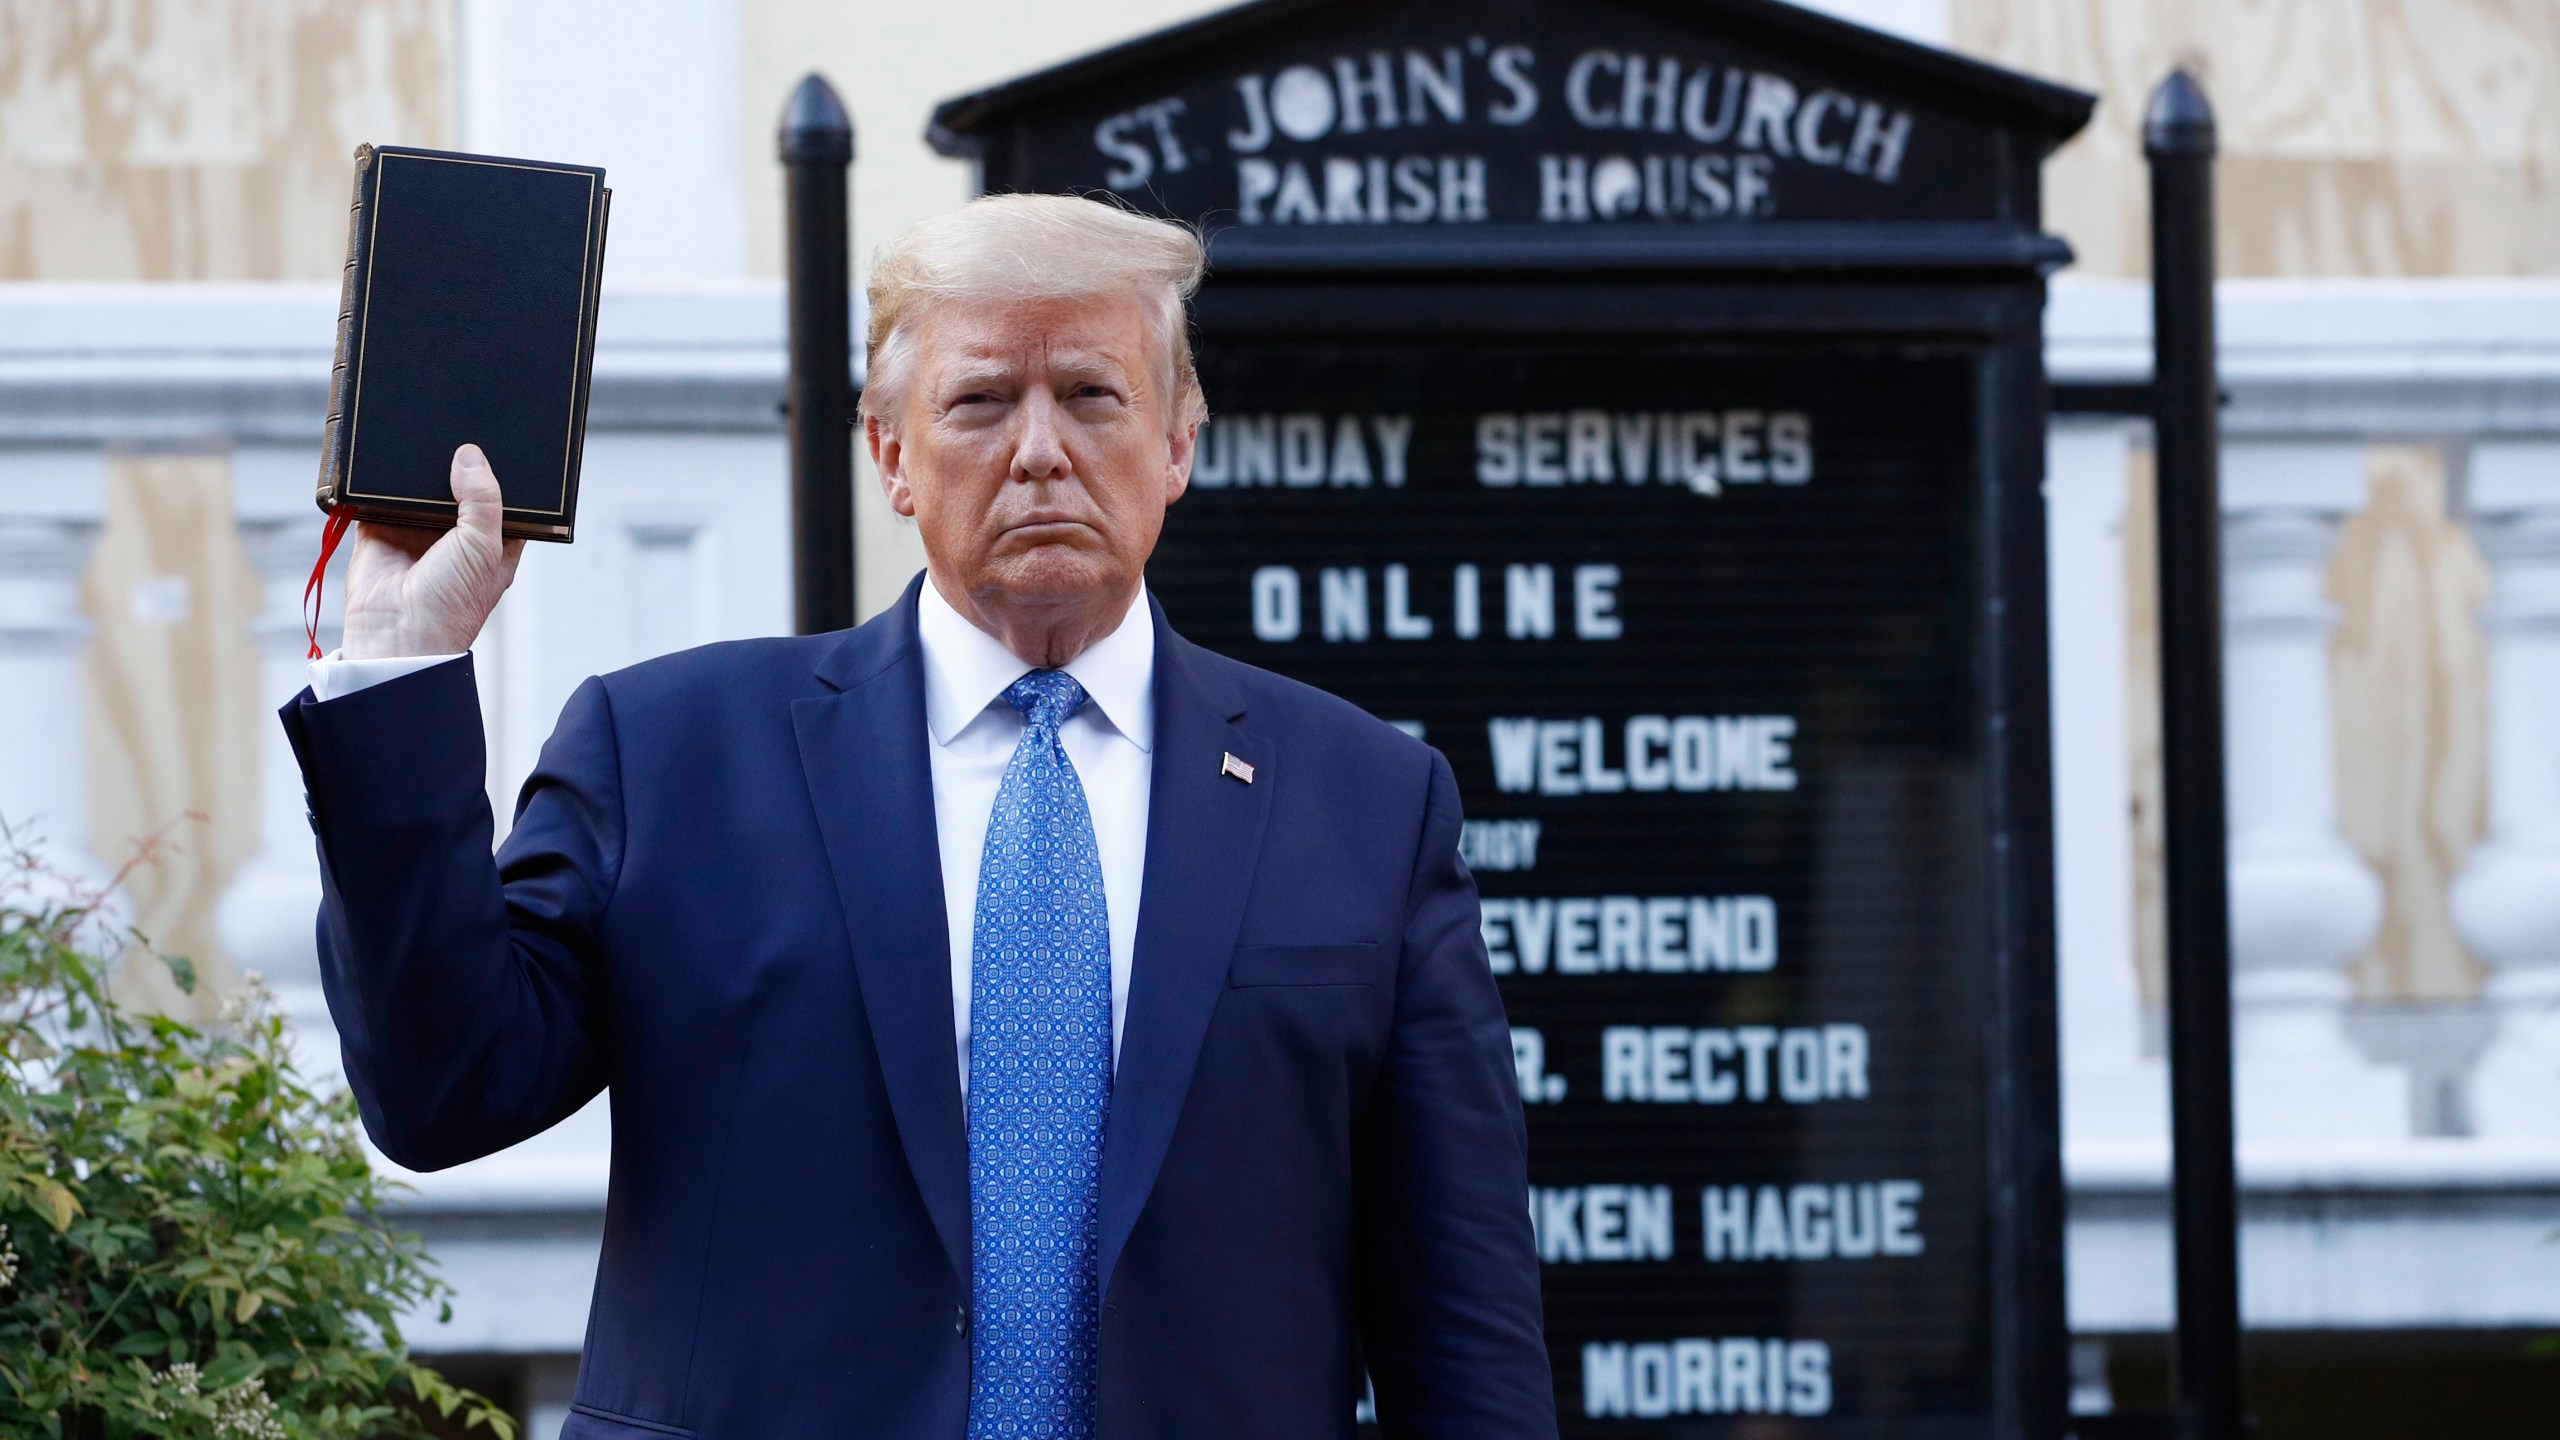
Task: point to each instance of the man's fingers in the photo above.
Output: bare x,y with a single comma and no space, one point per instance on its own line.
372,537
418,591
476,493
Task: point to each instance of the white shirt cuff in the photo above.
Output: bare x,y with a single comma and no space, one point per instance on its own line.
333,677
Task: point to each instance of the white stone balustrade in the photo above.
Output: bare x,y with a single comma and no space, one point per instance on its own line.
2303,904
266,915
51,513
2507,899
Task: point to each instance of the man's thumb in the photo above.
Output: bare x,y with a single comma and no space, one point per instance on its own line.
476,495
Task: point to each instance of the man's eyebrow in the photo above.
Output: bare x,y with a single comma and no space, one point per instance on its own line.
974,372
969,372
1090,362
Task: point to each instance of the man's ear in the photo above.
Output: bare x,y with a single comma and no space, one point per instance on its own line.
889,462
1179,448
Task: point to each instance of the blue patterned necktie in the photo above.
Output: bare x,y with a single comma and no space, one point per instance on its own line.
1039,1087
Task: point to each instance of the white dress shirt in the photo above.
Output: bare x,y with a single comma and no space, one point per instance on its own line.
974,731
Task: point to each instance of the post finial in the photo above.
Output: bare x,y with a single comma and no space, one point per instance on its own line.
814,123
2179,120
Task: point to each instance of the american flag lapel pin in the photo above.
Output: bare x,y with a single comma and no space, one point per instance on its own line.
1235,767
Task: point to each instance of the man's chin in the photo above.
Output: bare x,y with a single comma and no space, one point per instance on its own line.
1054,575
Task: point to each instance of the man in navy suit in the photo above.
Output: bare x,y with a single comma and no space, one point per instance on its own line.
1019,1021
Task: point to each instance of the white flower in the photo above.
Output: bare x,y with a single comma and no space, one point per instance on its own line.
245,1411
8,1260
179,1381
247,1000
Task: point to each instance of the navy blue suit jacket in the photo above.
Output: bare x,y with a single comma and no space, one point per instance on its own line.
722,902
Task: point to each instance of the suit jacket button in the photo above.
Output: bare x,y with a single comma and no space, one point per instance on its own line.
960,1322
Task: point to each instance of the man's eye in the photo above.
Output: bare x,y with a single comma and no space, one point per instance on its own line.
1093,392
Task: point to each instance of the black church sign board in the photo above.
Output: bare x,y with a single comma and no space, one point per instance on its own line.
1643,402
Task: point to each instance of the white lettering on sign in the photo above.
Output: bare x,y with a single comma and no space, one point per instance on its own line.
1351,609
1400,622
1811,1222
1354,190
1529,601
1302,452
1629,934
1701,451
1755,110
1686,753
1745,121
1660,187
1744,1064
1499,844
1345,592
1580,1223
1275,604
1136,140
1650,1379
1529,1058
1419,87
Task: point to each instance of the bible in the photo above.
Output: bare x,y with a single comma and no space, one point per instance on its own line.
467,312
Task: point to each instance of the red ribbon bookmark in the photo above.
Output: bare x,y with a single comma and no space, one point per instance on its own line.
330,534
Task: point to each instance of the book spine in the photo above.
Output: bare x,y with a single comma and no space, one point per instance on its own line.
334,433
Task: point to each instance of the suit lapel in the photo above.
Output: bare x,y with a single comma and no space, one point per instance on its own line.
1204,833
863,753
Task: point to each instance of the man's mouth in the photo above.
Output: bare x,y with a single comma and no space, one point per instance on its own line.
1042,528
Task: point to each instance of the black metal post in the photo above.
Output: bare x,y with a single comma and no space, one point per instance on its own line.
816,143
2178,139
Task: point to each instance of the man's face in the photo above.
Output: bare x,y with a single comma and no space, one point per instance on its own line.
1035,447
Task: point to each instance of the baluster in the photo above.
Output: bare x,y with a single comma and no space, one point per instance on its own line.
2507,899
2303,904
44,635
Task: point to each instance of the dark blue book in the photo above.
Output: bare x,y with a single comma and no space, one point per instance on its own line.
468,313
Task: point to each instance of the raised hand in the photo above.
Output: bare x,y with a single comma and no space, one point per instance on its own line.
412,591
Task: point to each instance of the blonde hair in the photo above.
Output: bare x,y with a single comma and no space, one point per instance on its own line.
1031,247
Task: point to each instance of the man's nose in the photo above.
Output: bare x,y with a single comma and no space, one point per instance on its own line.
1039,448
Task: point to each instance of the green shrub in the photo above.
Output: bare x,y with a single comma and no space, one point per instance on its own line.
192,1243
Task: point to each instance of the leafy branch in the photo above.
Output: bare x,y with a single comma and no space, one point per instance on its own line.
192,1242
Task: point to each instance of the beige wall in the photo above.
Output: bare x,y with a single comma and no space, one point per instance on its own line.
893,63
203,139
191,140
2359,137
2409,668
172,698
